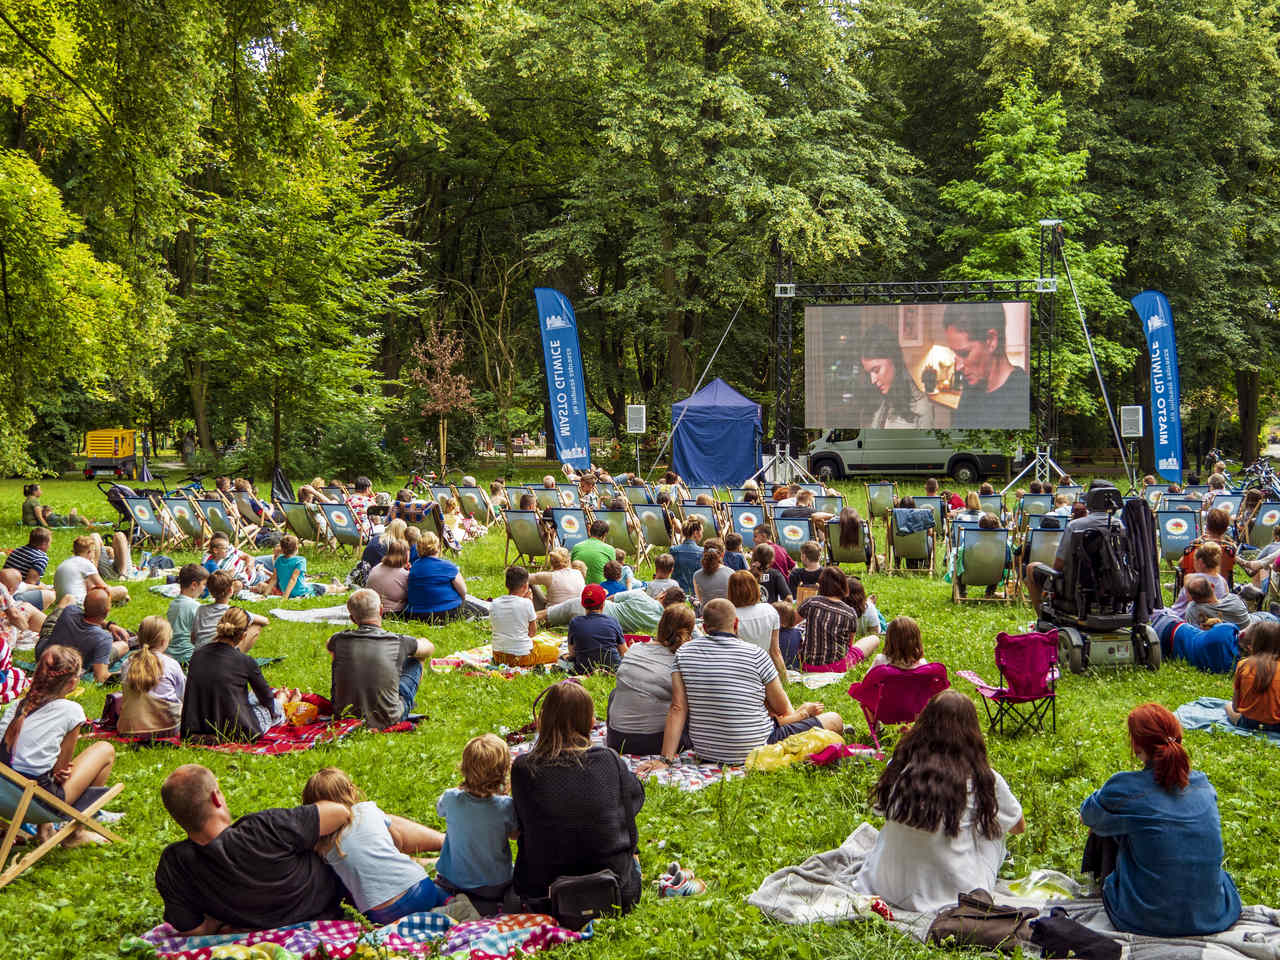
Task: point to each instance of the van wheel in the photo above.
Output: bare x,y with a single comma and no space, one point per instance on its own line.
964,471
826,471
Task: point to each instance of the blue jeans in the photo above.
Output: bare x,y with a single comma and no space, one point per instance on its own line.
419,898
34,597
1245,723
410,677
266,560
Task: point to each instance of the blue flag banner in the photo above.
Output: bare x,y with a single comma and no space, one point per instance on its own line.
1166,393
565,385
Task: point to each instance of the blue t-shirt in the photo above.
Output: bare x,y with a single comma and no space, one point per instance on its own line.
431,586
613,586
1168,880
688,557
1213,650
734,560
476,850
284,570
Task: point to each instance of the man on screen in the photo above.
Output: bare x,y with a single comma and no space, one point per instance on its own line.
996,393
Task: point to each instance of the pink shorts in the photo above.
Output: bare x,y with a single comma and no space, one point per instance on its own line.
850,660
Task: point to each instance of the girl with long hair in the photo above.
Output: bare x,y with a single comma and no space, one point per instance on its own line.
773,585
153,684
38,736
712,581
947,813
576,803
1156,838
852,536
834,639
1255,702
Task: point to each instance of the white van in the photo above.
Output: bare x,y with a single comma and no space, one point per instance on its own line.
843,451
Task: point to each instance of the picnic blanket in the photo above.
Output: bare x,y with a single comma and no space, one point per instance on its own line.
282,738
479,660
336,615
813,681
171,590
820,890
504,937
1209,713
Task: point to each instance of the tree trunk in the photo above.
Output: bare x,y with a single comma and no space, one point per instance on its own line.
1248,396
199,385
275,430
444,430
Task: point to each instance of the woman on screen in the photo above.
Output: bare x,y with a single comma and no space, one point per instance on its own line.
899,403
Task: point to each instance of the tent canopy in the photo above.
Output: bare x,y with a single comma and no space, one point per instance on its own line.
717,440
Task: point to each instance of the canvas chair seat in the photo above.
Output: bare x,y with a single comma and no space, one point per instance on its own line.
889,694
189,520
981,561
524,532
854,555
1028,666
654,524
880,499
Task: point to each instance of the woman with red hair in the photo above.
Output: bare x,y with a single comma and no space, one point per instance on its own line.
1156,838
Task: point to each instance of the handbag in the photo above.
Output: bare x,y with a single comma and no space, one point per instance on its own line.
976,921
1059,936
576,901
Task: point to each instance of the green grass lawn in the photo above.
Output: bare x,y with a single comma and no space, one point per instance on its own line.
79,903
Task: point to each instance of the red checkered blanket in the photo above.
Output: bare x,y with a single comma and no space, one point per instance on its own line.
282,738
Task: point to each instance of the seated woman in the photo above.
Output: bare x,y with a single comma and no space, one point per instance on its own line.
390,578
35,514
712,581
263,510
153,684
972,510
831,628
758,622
227,697
852,535
576,804
773,585
436,588
1156,839
641,698
464,529
1255,700
561,584
946,812
864,607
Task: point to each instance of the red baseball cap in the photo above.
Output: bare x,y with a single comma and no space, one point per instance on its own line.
593,596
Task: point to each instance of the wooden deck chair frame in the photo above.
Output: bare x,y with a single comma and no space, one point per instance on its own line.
189,519
341,530
791,533
882,487
220,519
892,550
35,796
144,512
958,595
302,524
517,525
833,546
245,509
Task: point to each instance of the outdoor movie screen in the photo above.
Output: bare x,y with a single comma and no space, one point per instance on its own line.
918,366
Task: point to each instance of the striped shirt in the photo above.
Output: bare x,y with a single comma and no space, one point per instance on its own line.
26,558
724,680
828,625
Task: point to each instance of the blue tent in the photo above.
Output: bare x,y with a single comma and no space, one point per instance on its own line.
717,436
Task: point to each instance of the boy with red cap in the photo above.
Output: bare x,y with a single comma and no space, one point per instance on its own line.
595,640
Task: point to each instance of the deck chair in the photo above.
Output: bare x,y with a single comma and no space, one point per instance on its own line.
1033,504
302,524
335,492
151,523
881,497
696,492
221,520
816,489
189,520
737,494
1152,494
654,524
981,561
793,533
474,502
853,555
1229,502
1028,665
244,506
1176,502
572,491
439,490
1198,489
828,504
918,546
992,503
1036,520
621,536
1264,524
432,521
1073,490
1176,530
343,525
1042,547
22,801
547,499
889,694
571,526
939,513
524,532
638,495
711,525
744,518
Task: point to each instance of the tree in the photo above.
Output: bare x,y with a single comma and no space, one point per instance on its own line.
442,388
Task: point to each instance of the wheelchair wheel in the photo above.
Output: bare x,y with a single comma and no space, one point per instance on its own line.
1154,656
1075,659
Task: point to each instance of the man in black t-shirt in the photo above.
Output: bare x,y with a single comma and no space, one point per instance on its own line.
257,873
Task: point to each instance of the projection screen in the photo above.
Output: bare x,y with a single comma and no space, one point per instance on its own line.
918,366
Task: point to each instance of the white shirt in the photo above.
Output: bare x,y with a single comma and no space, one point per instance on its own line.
69,578
509,617
784,503
918,870
756,625
40,739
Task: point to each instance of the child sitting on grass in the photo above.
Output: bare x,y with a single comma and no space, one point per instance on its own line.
809,569
734,558
613,582
153,684
662,581
384,881
514,622
629,578
595,640
205,624
183,609
789,634
476,859
290,574
903,647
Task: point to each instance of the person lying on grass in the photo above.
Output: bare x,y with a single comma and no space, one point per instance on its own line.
35,514
39,735
375,673
371,854
260,872
248,572
947,812
729,695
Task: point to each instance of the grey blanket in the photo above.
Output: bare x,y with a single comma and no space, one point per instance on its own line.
1208,713
820,890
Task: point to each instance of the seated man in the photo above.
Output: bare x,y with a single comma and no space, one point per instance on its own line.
1091,520
86,630
1216,523
25,565
257,873
804,508
594,552
729,692
375,672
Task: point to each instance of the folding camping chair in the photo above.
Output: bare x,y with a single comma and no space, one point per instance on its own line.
864,553
23,801
982,560
711,524
744,518
881,496
1042,546
524,532
889,694
474,503
793,533
151,523
571,526
220,519
1028,665
1176,530
621,536
655,521
432,521
189,520
343,525
916,547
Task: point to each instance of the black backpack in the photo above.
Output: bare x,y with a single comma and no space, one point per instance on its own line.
1106,569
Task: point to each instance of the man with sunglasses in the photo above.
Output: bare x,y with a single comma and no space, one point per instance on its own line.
996,393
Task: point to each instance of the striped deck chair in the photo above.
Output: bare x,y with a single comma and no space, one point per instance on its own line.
982,560
793,533
221,520
621,536
656,523
864,553
571,525
343,525
151,523
22,801
524,532
189,520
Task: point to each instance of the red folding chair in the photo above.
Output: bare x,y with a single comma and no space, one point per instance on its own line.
889,694
1028,665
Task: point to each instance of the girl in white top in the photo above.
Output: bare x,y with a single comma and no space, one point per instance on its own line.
946,812
903,647
371,854
758,623
562,582
38,736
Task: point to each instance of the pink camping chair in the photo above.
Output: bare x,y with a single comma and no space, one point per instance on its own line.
1028,665
889,694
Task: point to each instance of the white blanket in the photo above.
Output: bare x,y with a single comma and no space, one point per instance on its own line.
336,614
